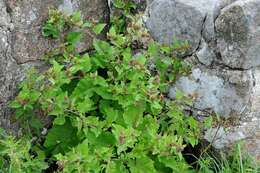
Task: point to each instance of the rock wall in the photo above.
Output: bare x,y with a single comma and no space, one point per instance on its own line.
225,51
21,43
224,36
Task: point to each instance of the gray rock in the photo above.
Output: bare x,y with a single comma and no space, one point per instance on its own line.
225,40
211,92
9,70
205,55
223,138
179,19
224,36
28,17
248,131
238,34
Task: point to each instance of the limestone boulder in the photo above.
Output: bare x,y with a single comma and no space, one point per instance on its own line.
213,91
238,34
169,20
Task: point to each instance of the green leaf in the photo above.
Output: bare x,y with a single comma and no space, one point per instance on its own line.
133,114
208,122
106,139
116,167
50,30
179,95
174,163
76,17
153,49
118,4
82,64
83,148
127,55
126,137
73,37
156,107
192,140
103,47
61,137
104,92
86,105
87,25
99,28
166,49
142,164
56,66
84,88
192,122
110,113
112,31
100,81
14,104
60,120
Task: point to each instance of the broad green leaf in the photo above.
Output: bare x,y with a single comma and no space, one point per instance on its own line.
106,139
76,17
165,49
127,55
112,31
59,120
103,47
179,94
192,122
99,80
83,148
175,164
126,137
14,104
118,4
133,114
116,167
50,30
99,28
84,88
56,66
110,113
104,92
87,25
74,37
208,122
86,64
192,140
82,64
156,107
61,137
142,164
86,105
153,49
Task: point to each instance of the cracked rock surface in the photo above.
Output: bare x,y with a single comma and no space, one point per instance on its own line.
21,43
225,50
